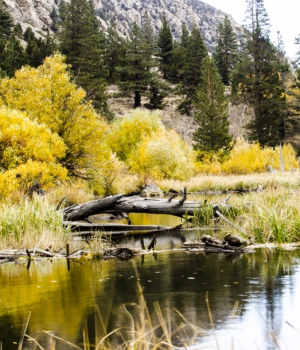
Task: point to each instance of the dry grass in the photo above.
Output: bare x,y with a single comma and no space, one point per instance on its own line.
234,182
137,329
31,223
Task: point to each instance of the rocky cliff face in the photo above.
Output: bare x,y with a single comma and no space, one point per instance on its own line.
36,14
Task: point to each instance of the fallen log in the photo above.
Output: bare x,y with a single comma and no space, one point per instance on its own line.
211,244
75,225
135,204
84,210
138,204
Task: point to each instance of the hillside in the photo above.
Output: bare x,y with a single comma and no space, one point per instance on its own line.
183,124
36,14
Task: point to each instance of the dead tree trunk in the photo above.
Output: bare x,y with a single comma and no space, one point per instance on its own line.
119,204
83,211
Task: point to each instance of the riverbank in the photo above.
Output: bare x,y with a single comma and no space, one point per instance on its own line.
268,215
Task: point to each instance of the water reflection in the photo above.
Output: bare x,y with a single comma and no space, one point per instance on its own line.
98,296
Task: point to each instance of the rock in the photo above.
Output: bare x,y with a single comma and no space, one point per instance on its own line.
234,240
151,191
36,14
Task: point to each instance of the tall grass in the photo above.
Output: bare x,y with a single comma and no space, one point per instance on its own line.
29,223
234,182
136,329
271,216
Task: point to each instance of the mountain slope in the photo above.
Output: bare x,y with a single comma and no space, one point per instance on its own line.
36,14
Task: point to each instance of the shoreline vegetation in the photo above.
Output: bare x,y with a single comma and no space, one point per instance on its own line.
268,212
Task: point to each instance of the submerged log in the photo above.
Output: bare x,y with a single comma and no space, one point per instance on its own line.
211,244
75,225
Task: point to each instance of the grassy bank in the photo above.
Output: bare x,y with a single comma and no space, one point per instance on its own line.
270,216
235,182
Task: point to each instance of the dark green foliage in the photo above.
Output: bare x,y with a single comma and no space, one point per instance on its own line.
6,23
15,57
211,111
135,70
158,90
293,120
257,80
226,54
191,72
165,44
12,55
37,49
55,20
114,52
81,42
179,55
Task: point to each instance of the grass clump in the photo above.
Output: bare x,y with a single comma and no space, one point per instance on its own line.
271,216
22,225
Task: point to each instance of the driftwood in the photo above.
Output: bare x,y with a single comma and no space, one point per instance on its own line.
76,225
83,211
231,244
119,204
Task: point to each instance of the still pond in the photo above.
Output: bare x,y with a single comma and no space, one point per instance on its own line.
240,301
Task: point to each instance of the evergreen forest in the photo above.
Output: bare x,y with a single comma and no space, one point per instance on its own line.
56,122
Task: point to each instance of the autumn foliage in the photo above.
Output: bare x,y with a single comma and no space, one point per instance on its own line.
59,132
48,130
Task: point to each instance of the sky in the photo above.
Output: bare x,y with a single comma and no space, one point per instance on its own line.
284,16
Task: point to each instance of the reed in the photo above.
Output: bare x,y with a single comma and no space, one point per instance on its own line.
30,223
272,216
138,329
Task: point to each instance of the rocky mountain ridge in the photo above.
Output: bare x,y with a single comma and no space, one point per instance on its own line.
36,14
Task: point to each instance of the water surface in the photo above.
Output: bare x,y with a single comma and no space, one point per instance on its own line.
251,297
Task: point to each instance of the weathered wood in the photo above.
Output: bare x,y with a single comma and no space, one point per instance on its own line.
138,204
234,240
42,252
152,243
84,210
75,225
211,244
119,205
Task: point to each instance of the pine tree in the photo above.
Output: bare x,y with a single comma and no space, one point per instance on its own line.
81,42
134,73
12,55
15,56
211,111
179,55
114,52
165,44
191,72
6,22
226,54
296,61
257,80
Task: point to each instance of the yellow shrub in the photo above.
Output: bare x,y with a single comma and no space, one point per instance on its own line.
247,158
126,133
47,95
28,150
163,155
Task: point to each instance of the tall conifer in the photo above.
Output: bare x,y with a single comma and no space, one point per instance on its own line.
257,81
191,73
211,111
134,73
81,42
165,44
226,54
